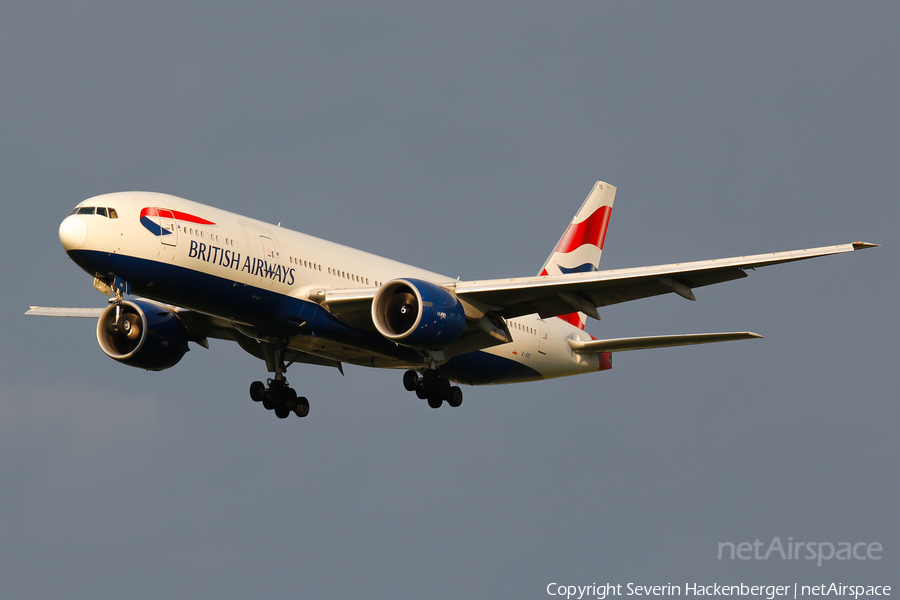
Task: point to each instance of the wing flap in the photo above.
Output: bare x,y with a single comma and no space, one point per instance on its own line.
658,341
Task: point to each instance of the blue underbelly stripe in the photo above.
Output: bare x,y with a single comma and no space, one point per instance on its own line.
273,313
278,314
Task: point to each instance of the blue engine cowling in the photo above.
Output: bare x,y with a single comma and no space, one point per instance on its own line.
145,335
418,314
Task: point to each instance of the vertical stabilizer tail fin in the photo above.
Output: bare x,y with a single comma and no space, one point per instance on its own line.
580,247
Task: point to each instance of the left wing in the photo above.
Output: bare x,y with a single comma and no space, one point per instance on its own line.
554,295
557,295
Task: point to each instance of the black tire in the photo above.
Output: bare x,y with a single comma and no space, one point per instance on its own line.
257,391
282,412
435,401
456,396
302,408
444,388
268,401
431,380
421,392
288,397
410,379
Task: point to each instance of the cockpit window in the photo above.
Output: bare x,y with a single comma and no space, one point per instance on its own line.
102,211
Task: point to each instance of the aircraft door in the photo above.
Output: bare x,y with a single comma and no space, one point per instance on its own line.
167,223
269,249
544,337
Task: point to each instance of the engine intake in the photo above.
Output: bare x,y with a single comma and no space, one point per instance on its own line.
143,335
418,314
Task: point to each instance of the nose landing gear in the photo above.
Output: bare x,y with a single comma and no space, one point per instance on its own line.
433,387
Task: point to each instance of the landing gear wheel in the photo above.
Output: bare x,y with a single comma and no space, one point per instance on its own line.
435,401
302,408
287,397
278,396
431,380
257,391
456,396
421,392
410,381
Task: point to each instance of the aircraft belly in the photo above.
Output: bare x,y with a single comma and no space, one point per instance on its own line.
345,353
266,312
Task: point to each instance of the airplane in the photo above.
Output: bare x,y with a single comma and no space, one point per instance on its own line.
197,272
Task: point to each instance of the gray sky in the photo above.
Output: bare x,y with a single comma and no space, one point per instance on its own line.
460,139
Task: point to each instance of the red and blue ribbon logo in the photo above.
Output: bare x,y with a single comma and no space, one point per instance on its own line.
151,219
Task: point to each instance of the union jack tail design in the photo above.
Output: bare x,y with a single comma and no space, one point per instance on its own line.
580,247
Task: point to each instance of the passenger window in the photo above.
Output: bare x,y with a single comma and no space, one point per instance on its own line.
101,211
113,214
86,210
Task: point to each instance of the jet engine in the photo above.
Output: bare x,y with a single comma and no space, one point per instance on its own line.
418,314
142,334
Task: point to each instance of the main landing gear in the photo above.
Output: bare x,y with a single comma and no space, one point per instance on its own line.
278,396
434,387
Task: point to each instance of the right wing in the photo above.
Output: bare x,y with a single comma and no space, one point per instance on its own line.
46,311
199,326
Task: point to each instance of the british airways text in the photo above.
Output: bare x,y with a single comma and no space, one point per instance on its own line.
232,260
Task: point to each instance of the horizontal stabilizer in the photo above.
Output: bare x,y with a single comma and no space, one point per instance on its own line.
44,311
657,341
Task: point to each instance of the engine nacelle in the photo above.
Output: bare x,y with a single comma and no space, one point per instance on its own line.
143,335
418,314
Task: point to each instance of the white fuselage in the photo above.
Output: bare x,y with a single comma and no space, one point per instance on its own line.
212,250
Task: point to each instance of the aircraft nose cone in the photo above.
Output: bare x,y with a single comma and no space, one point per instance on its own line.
72,232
